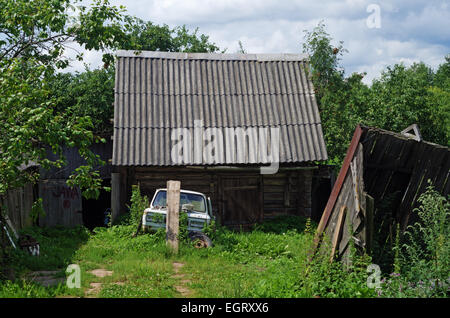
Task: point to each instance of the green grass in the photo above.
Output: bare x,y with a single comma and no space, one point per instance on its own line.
58,245
270,261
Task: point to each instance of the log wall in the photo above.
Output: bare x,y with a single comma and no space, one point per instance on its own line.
239,198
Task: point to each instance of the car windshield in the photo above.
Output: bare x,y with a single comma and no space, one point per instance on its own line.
197,201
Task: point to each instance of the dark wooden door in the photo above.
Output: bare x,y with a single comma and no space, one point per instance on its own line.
242,201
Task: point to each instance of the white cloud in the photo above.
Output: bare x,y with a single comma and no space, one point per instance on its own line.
410,30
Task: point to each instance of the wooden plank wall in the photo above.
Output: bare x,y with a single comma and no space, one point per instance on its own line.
391,171
351,198
396,170
62,204
18,203
284,193
287,193
74,160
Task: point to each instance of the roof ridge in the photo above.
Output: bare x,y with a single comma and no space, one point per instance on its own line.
260,57
316,123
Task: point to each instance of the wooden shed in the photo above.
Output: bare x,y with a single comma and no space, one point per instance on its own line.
66,206
212,121
382,176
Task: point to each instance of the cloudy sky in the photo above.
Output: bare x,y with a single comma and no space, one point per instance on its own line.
375,33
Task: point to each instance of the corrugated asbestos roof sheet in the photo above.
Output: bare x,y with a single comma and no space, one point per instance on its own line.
159,93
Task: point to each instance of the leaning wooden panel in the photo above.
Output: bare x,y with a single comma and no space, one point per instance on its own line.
340,180
340,190
354,225
359,194
337,232
392,166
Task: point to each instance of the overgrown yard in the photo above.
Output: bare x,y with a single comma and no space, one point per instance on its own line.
270,261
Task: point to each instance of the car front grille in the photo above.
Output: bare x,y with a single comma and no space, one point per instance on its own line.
156,218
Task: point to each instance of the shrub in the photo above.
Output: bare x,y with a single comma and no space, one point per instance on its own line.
183,235
138,204
324,278
425,255
422,266
24,289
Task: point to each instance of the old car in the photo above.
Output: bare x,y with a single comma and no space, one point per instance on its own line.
195,204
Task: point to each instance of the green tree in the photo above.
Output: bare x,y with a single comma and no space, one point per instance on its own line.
324,59
342,108
407,95
439,104
91,93
33,37
147,36
400,97
43,29
341,100
86,94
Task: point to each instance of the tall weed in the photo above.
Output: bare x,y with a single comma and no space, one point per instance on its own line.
422,266
138,204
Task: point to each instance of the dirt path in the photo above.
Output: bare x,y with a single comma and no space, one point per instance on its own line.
181,285
46,278
96,287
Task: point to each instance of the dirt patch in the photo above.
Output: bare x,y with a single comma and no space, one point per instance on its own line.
101,272
96,287
94,290
177,266
181,286
183,290
46,278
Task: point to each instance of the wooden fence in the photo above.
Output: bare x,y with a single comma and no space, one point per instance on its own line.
62,204
382,176
18,203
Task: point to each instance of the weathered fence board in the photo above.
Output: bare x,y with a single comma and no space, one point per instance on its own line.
393,169
62,204
18,203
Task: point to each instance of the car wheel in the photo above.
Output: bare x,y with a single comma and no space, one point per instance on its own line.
200,240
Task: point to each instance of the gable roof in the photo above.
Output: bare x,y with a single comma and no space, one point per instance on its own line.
157,92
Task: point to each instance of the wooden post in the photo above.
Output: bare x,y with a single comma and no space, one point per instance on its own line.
115,196
173,211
